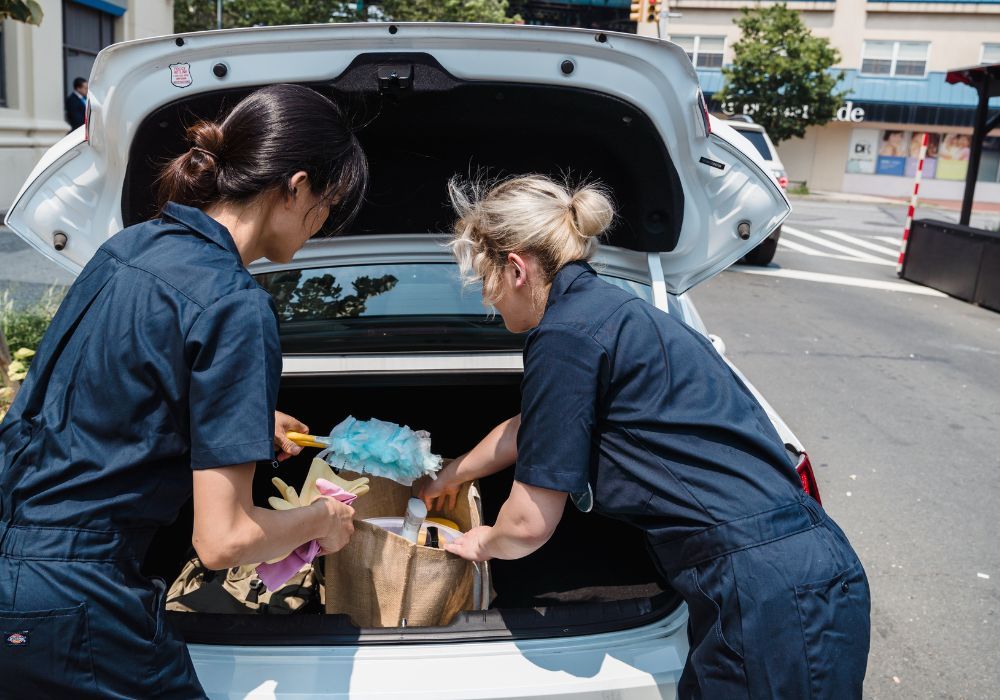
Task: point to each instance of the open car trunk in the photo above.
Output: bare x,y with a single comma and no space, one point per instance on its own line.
594,575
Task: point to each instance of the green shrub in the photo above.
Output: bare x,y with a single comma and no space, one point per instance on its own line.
800,188
24,327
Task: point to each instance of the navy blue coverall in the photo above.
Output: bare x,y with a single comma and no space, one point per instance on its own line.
620,398
163,357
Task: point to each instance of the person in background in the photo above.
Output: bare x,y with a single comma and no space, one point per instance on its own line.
632,413
156,383
76,104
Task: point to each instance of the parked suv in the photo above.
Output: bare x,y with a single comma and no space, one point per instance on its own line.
763,254
587,616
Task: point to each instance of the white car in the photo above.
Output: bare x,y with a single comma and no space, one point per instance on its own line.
588,616
763,254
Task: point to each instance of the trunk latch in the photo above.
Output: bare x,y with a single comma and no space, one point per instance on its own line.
395,79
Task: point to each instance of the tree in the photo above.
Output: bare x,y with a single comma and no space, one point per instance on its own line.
322,298
781,73
199,15
21,10
494,11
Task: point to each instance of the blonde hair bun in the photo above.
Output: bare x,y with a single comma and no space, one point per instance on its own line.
592,209
532,214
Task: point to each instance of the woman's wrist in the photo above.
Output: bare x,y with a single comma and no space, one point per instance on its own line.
319,518
452,472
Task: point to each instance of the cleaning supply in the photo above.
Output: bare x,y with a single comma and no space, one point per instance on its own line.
276,573
444,521
395,526
416,511
376,447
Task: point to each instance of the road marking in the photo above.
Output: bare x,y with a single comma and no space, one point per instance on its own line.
819,240
799,248
895,240
892,252
824,278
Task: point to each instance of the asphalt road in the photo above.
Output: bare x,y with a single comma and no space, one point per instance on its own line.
25,275
895,393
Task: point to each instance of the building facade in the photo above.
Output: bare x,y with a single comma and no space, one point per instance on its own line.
38,66
895,56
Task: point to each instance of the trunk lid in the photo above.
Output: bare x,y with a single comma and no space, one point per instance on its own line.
435,99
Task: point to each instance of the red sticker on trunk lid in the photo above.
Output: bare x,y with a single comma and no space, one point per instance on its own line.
180,74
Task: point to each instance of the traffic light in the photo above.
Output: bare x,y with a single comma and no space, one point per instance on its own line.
653,11
637,11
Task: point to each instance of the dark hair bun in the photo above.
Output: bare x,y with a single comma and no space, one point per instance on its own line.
271,134
206,136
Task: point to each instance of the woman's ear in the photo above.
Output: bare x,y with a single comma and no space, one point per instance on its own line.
296,183
519,267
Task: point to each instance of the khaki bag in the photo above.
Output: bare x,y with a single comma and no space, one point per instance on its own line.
382,580
239,590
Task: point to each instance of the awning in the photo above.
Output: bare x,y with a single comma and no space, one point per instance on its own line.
928,100
111,7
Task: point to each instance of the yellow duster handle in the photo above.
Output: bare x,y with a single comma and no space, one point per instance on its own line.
303,440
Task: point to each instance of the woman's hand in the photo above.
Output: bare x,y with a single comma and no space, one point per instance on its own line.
441,494
339,519
472,545
284,424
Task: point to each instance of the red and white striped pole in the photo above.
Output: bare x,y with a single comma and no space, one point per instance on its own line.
913,204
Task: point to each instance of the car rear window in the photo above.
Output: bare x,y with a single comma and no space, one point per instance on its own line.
759,142
402,307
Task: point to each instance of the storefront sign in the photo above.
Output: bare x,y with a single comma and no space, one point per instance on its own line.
849,113
953,157
846,113
930,160
892,151
864,151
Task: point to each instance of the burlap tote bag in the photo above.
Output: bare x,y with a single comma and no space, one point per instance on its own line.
381,580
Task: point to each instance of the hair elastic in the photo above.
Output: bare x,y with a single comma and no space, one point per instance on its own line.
201,150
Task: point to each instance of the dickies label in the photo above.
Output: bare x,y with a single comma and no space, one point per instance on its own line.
16,639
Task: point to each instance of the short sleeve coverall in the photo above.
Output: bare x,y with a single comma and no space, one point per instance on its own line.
623,400
163,358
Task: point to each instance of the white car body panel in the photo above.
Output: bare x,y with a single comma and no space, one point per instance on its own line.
79,193
640,664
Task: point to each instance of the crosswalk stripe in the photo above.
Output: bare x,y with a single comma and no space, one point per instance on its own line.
819,240
891,252
799,248
904,287
890,239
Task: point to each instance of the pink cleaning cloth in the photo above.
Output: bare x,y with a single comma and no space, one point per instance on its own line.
274,576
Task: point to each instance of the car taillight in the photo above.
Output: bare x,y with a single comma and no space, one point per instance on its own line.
783,181
806,476
704,113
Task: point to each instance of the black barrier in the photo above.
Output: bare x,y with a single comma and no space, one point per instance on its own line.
988,286
961,261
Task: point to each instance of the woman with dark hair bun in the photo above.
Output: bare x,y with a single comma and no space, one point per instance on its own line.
157,381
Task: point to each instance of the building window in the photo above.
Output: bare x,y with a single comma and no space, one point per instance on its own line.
704,51
85,32
897,58
991,54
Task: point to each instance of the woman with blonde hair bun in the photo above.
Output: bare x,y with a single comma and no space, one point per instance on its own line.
635,415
